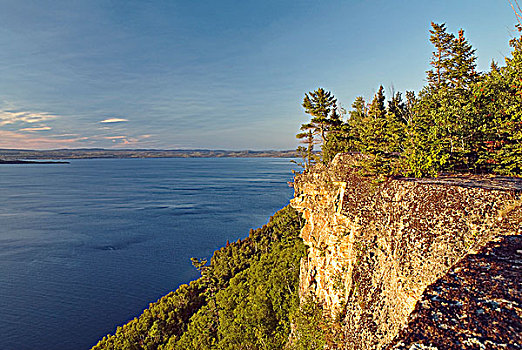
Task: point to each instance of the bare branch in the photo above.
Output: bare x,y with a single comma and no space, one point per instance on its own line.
518,15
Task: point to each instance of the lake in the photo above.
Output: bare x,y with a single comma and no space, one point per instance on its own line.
86,246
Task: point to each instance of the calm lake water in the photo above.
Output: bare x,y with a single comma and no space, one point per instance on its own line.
85,247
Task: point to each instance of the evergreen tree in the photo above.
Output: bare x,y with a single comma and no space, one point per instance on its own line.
498,99
307,137
453,60
462,72
326,122
397,118
358,116
373,131
424,145
337,138
442,56
411,101
320,104
447,129
375,137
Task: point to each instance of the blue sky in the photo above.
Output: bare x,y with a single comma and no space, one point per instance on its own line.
212,74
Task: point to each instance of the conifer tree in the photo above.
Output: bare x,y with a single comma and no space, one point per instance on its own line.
397,117
326,122
358,116
307,137
453,61
462,72
377,109
320,104
411,101
447,128
442,56
337,138
374,137
498,99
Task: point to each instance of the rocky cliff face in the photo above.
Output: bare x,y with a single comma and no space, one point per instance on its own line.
374,248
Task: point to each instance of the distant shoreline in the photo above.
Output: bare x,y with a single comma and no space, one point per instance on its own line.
17,161
13,155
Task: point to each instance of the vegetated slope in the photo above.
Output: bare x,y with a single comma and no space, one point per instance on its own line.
243,300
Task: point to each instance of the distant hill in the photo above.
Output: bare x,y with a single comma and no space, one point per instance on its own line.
14,154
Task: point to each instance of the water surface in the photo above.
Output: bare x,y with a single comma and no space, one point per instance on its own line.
86,246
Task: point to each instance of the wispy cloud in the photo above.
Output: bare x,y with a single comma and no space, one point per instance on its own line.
114,120
122,140
9,117
41,128
114,137
11,139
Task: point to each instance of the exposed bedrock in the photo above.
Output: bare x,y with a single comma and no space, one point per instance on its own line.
374,248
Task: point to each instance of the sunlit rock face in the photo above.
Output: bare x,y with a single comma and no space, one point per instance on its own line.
374,247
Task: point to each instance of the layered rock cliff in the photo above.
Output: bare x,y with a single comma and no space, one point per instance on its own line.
374,247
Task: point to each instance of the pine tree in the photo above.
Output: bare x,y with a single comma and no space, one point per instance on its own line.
453,61
377,109
411,101
326,122
499,98
462,72
447,126
358,116
307,137
320,104
374,137
337,138
397,118
442,56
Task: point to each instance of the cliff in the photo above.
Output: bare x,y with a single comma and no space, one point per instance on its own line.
375,248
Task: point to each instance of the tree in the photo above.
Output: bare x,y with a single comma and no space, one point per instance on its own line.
307,137
326,123
378,135
447,128
358,116
337,138
498,99
441,57
397,118
320,104
453,61
462,72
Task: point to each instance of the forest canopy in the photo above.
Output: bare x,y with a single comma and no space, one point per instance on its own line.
462,121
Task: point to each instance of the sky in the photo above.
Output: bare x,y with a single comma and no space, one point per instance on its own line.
212,74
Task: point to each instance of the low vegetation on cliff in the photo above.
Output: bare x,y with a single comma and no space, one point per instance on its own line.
462,121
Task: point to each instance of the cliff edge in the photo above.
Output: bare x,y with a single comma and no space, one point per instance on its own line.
375,248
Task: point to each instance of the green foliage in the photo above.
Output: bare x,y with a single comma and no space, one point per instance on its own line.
461,122
326,127
243,300
307,137
163,319
380,135
498,100
442,41
253,310
321,105
445,128
311,327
